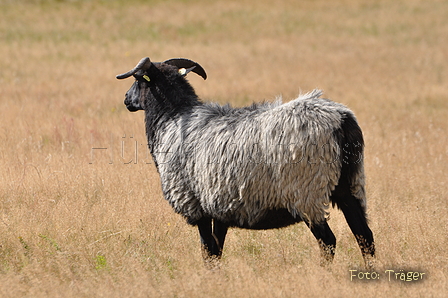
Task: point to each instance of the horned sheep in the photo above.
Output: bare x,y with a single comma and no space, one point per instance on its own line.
264,166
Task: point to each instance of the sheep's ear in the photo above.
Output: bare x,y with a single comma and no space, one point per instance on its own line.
185,71
186,65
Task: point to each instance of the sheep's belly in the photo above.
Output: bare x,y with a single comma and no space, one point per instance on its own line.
272,219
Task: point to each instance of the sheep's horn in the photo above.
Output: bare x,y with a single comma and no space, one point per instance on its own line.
187,64
144,64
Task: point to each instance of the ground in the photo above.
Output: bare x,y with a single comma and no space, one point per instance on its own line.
82,214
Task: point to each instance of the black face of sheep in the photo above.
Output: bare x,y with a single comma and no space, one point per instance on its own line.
260,167
150,76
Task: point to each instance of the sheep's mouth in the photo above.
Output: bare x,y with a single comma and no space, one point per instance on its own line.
132,108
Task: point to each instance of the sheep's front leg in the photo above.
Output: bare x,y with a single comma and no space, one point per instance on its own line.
212,238
326,239
219,234
207,241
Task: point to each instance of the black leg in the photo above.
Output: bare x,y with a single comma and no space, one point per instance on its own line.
212,240
355,215
207,240
326,240
219,233
356,219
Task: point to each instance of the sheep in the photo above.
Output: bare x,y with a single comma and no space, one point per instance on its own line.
265,166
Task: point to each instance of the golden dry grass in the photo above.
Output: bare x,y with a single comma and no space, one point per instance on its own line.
74,225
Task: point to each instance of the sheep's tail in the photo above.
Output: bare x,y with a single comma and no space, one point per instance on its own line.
351,144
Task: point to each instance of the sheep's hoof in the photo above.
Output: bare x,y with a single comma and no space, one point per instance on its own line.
327,254
369,261
325,263
368,253
212,263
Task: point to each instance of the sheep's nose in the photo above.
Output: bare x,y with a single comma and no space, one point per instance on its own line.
126,100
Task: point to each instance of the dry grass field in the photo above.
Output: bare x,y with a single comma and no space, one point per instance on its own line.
83,222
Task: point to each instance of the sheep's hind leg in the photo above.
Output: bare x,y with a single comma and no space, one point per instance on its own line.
356,219
326,240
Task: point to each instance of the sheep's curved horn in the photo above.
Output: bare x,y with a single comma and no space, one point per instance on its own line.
144,64
187,64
